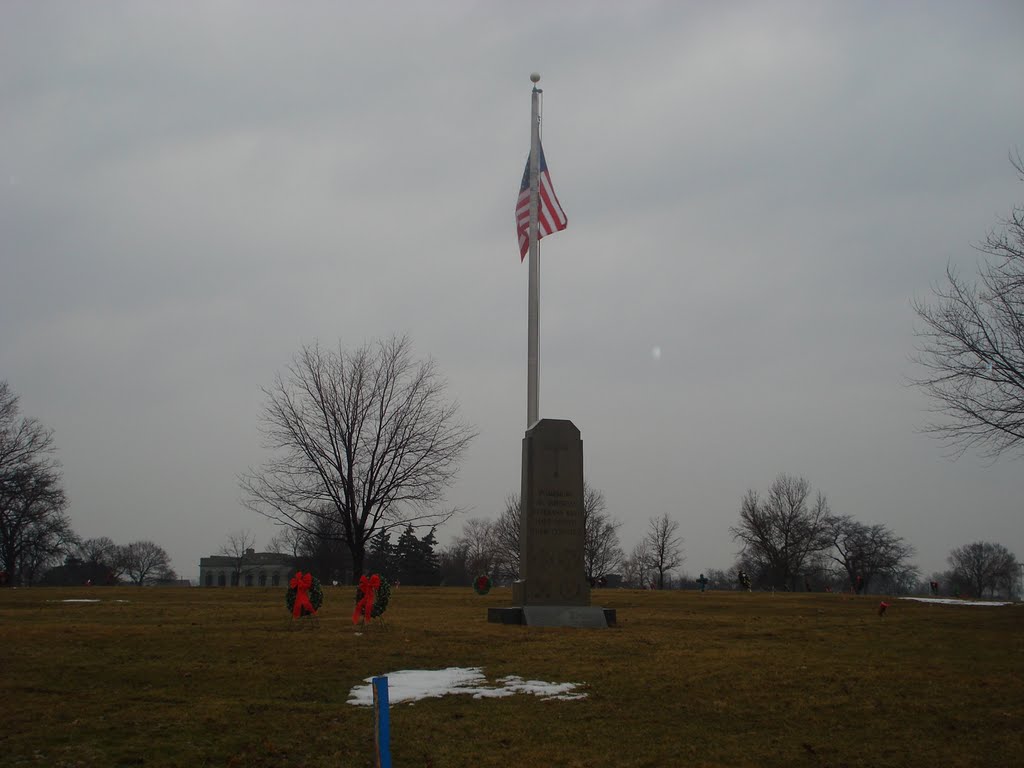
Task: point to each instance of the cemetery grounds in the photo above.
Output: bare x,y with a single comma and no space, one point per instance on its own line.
225,677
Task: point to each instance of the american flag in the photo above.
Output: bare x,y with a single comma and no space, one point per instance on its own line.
550,216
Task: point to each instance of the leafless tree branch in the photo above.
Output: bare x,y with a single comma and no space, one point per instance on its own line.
970,347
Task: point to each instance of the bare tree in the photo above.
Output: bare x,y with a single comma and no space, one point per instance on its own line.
505,533
454,565
783,534
637,568
971,347
719,578
146,563
287,541
101,550
602,554
664,547
239,545
321,549
366,438
984,566
902,580
324,549
478,542
34,530
873,552
103,553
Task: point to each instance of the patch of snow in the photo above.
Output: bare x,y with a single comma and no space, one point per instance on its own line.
953,601
410,685
86,600
561,691
76,600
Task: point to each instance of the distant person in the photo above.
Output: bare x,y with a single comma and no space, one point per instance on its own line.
807,586
744,580
935,588
703,581
859,586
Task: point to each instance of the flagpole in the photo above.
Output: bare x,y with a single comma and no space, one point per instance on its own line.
533,300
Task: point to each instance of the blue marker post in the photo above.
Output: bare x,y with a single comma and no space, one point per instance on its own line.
382,722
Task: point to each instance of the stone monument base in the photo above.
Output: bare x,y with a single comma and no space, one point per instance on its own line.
581,616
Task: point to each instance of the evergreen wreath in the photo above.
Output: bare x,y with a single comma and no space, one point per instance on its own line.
380,600
482,585
316,596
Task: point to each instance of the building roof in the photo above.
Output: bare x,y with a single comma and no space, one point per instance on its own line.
250,560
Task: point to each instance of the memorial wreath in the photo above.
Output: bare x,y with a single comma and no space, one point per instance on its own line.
305,595
374,592
482,585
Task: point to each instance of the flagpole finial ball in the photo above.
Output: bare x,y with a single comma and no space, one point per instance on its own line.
535,77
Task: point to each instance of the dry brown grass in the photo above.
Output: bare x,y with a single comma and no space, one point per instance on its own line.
222,677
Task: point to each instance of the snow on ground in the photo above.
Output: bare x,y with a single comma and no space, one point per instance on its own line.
952,601
85,600
416,684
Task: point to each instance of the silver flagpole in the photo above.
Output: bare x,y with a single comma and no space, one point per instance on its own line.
533,306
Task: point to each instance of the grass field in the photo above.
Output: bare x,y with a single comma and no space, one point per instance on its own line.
224,677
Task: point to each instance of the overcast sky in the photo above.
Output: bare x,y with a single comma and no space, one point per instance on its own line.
191,191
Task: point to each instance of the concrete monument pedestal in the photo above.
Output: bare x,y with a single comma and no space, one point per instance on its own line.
552,590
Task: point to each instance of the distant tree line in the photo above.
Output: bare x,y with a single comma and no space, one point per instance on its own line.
411,560
980,569
790,540
100,562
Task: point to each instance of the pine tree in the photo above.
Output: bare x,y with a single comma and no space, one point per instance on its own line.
381,556
408,556
431,560
417,562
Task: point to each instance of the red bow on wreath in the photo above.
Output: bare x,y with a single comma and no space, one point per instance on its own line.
368,587
301,583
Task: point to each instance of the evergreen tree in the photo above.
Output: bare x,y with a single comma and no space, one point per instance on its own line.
381,556
416,561
407,554
431,560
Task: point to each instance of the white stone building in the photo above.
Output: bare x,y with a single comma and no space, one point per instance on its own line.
254,569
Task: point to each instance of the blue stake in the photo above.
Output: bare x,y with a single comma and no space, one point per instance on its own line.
382,722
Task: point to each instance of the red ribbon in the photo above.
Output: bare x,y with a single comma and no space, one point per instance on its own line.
301,583
368,586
